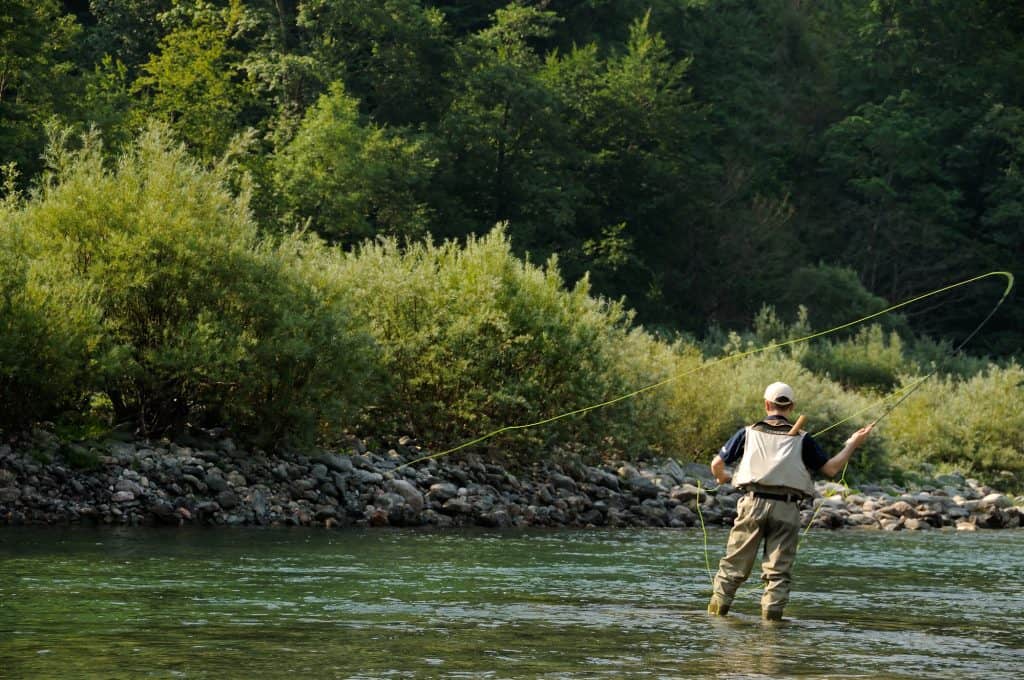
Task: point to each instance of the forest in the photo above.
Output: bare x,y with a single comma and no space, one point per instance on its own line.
306,217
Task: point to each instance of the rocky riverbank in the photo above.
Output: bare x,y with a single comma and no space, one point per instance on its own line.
142,482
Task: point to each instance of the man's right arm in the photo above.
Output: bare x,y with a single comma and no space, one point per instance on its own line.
718,470
728,454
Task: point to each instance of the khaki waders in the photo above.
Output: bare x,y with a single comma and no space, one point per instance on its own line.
776,524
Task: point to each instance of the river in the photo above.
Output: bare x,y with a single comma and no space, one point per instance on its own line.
276,603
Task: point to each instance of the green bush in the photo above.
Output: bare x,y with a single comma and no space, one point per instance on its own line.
49,327
471,338
973,424
203,322
869,359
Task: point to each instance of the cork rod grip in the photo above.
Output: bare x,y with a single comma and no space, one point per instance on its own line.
795,430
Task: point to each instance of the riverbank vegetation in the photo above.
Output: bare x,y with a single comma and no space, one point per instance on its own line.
282,217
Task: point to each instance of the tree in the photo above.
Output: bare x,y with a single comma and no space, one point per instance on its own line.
504,145
194,82
35,42
349,180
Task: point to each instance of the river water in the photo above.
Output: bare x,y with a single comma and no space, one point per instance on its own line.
306,603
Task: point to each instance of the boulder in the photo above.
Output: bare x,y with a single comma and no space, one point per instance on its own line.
412,496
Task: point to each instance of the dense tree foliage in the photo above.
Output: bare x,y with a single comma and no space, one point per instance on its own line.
690,155
698,158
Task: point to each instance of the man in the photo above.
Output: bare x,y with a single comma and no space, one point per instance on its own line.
774,471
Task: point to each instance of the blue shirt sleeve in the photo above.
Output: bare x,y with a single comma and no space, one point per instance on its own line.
733,449
813,455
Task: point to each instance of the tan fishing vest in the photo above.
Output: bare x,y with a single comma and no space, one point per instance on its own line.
774,459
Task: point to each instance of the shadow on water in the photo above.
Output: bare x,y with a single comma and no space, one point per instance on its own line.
560,604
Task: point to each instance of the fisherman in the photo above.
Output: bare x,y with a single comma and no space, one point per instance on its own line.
774,473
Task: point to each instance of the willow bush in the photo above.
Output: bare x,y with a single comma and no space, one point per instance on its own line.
471,338
202,321
972,425
49,328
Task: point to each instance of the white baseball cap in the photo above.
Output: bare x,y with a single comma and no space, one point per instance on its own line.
779,393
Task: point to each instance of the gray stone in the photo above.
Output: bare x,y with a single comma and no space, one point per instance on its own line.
319,473
673,470
413,497
227,499
258,501
365,477
645,488
686,493
997,500
899,509
236,478
442,491
123,497
9,494
560,481
128,485
457,506
215,483
603,478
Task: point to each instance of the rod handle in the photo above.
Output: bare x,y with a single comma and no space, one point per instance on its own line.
795,430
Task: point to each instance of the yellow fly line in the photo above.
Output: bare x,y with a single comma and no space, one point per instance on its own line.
905,391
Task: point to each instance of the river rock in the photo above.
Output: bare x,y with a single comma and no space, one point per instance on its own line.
916,524
123,497
965,525
996,500
9,494
899,509
413,497
442,491
337,463
685,493
560,481
214,482
227,499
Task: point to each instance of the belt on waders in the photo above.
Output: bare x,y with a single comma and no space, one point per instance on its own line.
787,497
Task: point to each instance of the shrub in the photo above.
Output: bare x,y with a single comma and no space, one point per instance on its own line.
869,359
202,320
974,424
49,326
471,339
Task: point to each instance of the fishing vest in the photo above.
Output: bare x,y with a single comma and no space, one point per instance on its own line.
774,459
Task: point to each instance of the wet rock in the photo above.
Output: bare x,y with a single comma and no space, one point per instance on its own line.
965,525
914,524
497,519
237,479
320,474
685,493
123,497
990,518
337,463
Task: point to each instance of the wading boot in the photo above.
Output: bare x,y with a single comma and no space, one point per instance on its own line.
717,607
771,614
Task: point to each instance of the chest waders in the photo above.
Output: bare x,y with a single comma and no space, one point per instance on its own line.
773,473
